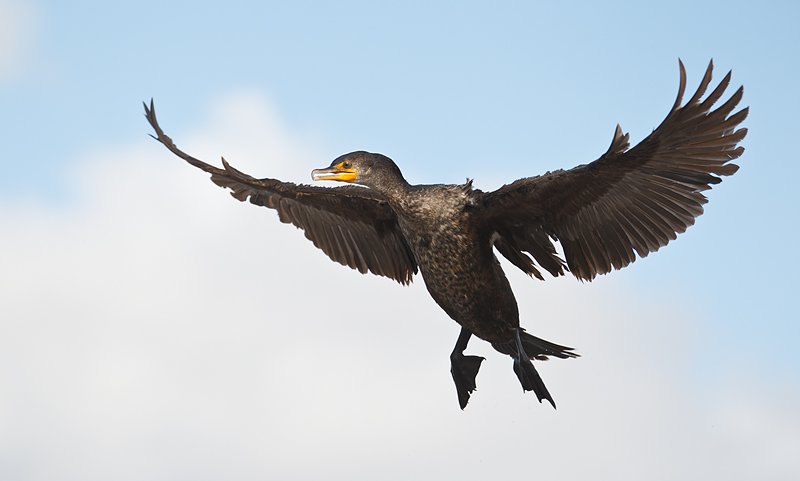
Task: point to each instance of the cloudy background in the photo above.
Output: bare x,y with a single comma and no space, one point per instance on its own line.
152,328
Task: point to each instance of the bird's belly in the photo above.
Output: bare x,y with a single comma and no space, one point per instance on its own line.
469,285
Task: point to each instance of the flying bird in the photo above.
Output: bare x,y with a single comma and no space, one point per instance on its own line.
627,203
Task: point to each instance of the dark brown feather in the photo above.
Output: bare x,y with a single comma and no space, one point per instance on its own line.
353,225
628,200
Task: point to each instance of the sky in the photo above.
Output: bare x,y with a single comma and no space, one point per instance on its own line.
153,328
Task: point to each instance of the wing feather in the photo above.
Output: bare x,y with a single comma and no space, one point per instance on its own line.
630,201
353,225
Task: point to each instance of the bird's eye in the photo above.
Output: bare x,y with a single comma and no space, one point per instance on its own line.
346,165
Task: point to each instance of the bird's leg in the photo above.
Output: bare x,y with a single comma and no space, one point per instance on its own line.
527,374
464,368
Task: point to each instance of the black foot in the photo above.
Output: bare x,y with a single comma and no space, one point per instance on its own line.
464,370
528,377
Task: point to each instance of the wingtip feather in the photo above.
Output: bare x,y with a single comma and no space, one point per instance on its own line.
701,89
681,86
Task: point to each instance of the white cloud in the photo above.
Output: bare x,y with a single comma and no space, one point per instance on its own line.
158,329
17,28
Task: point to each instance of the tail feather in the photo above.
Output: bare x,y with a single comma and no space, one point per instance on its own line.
536,348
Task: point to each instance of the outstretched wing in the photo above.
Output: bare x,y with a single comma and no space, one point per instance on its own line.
627,202
353,225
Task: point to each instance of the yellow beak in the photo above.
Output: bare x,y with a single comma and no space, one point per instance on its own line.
337,172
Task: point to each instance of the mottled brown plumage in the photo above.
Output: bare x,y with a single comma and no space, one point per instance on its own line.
628,202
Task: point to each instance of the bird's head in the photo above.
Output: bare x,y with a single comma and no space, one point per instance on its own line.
372,170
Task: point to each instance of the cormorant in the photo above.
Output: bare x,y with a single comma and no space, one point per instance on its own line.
629,201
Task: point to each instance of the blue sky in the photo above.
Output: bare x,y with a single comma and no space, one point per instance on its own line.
449,90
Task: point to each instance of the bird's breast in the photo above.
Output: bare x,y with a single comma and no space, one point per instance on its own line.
461,272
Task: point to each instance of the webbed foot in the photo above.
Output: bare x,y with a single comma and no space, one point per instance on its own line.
527,375
464,370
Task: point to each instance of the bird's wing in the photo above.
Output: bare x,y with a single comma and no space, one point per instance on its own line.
353,225
627,202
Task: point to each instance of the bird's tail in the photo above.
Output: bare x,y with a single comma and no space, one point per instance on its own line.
535,348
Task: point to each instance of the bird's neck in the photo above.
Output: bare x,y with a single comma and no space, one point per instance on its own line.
394,189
